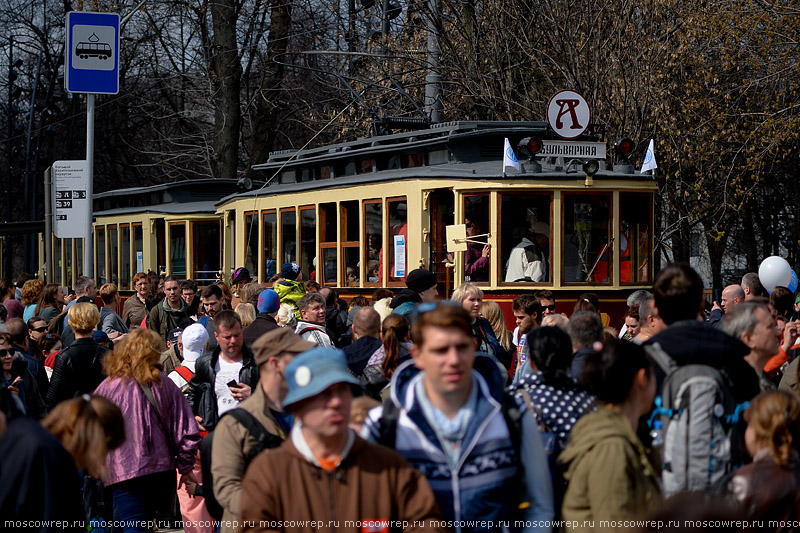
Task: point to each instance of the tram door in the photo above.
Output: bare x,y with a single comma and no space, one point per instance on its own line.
441,207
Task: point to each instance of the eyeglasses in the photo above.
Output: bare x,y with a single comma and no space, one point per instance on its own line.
39,330
7,352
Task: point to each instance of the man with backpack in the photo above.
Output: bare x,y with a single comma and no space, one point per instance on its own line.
257,423
704,384
450,416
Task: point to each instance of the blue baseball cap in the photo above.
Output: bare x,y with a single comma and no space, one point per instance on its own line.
313,371
268,301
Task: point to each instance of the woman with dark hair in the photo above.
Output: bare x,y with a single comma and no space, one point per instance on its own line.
610,473
50,303
558,402
7,296
396,348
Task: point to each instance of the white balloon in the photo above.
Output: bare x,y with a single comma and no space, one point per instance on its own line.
774,271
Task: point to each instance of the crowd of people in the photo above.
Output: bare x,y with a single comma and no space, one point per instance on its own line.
270,407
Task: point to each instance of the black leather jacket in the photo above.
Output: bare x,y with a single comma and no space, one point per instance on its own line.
78,369
201,395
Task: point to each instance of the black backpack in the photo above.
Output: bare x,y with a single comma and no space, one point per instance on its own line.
264,441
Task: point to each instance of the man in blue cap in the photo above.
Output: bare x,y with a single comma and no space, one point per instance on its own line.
268,305
324,472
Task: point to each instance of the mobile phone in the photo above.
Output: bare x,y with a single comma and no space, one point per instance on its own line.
232,383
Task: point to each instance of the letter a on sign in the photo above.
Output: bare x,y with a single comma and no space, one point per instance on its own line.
568,114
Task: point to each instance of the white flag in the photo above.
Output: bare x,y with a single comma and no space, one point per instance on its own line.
509,157
649,162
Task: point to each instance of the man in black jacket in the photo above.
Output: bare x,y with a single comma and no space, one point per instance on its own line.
225,377
367,330
268,305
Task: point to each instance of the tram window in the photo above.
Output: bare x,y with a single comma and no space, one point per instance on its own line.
57,261
125,256
325,172
177,249
365,166
351,246
78,259
350,221
328,236
113,247
478,255
269,229
100,257
414,160
308,241
634,238
398,235
587,250
161,246
206,251
289,236
68,262
525,231
138,247
373,240
251,248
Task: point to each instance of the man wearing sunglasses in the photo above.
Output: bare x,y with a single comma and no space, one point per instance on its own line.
37,329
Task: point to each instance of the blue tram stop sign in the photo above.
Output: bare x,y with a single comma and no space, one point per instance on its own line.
92,53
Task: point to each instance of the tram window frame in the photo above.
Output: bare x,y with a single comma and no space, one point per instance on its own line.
112,231
125,274
413,159
638,199
565,201
503,253
171,259
68,262
313,240
251,244
365,239
100,259
329,232
140,227
58,247
197,224
282,238
272,253
484,226
349,209
394,281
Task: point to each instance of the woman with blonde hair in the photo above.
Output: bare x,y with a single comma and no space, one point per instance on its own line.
769,487
490,310
161,431
246,312
470,296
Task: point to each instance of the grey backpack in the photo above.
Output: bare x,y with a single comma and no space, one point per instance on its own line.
698,417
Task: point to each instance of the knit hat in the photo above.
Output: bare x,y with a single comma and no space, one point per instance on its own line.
268,301
195,339
290,271
420,280
314,371
239,275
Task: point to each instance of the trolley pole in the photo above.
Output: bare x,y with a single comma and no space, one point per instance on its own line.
88,265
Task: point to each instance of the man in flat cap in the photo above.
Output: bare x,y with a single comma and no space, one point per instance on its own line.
233,441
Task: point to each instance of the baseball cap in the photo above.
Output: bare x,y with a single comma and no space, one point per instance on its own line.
195,339
239,275
100,336
268,301
277,342
313,371
173,335
290,271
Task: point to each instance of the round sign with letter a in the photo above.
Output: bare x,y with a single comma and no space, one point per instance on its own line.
568,114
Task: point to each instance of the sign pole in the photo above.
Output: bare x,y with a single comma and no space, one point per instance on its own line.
48,224
88,266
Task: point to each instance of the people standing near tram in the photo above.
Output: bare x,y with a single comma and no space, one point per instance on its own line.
7,292
50,303
110,322
171,312
135,309
311,326
471,297
528,315
325,470
31,292
421,287
450,416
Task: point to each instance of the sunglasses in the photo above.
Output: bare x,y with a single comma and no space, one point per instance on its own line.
7,352
551,307
39,330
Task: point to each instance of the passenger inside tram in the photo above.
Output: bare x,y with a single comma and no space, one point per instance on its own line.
528,261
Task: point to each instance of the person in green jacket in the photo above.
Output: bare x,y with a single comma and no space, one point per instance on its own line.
290,289
611,475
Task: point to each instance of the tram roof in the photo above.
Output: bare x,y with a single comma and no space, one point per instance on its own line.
174,208
186,196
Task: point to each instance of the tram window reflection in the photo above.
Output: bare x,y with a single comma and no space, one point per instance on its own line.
251,245
113,253
206,249
587,249
398,240
634,238
177,249
125,267
308,240
269,229
373,240
100,260
351,247
289,236
477,256
328,244
138,247
525,237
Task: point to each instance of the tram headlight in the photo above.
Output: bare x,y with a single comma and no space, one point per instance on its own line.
591,166
245,184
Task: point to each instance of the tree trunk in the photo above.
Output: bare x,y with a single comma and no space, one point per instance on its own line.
226,72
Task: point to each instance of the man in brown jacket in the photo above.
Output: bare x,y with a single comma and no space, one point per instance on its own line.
326,478
233,443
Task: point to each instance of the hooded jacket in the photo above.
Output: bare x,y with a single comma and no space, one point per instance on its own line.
164,319
609,473
692,342
201,395
478,487
290,292
371,484
405,301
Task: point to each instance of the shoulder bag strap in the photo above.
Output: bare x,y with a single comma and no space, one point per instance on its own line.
150,398
534,409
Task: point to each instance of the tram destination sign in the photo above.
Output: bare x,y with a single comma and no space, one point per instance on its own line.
70,204
570,149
